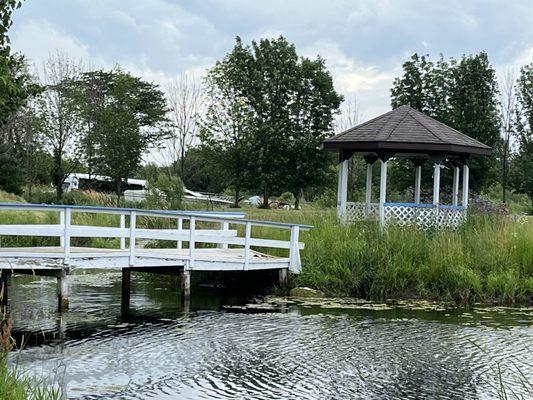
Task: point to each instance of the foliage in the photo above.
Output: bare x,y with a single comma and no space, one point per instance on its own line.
171,187
11,177
125,117
460,93
270,110
521,176
60,126
11,86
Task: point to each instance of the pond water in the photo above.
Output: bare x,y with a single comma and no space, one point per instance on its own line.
216,349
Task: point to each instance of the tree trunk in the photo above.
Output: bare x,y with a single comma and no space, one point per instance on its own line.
119,191
504,173
57,177
296,201
265,199
237,196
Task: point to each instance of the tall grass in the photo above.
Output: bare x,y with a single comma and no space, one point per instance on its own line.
489,259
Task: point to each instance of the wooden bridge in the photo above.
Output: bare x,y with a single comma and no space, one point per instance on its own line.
141,240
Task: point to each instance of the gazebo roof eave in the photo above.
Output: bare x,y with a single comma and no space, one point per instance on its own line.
403,147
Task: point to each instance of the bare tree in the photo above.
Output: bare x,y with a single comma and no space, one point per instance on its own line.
61,125
185,103
507,114
349,116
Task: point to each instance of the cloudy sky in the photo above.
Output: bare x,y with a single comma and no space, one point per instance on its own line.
364,42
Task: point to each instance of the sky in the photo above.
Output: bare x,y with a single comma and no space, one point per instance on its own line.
364,42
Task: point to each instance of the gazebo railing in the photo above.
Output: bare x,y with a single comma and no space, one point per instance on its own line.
361,211
424,216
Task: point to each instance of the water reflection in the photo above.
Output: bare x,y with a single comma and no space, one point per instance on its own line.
301,352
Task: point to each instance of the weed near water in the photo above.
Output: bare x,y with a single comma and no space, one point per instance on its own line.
489,259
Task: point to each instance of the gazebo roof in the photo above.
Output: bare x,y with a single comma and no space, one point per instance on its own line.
405,130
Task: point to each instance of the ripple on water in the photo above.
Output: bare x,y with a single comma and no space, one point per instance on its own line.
340,351
266,356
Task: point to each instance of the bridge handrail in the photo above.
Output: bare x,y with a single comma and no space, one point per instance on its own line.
207,216
63,230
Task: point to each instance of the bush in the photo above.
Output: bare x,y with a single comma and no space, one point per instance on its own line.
167,192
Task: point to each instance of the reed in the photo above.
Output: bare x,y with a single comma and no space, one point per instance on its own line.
489,259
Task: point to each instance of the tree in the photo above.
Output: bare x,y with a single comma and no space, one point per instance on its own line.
474,111
289,103
312,117
228,124
128,117
521,178
462,94
60,123
11,84
17,87
349,116
507,113
185,108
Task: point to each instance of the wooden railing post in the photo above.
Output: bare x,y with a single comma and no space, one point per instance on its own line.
179,243
122,226
66,235
224,226
294,250
62,224
247,236
192,244
133,223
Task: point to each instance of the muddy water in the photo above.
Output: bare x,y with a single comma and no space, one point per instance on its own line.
218,348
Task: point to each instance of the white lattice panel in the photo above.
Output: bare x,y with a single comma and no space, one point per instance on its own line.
424,217
421,216
359,211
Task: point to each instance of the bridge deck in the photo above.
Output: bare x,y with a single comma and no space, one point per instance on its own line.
83,257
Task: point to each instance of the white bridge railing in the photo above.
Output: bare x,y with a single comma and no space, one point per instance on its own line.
187,230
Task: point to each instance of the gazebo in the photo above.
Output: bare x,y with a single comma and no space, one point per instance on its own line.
406,133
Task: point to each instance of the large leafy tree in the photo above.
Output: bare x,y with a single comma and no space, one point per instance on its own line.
18,139
460,93
521,176
125,116
475,112
288,104
226,133
311,122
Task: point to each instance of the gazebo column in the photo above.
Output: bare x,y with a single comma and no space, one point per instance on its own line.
368,194
455,185
466,174
342,191
418,182
436,184
382,193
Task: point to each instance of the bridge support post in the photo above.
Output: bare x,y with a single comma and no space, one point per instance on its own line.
62,291
186,284
4,285
283,276
126,290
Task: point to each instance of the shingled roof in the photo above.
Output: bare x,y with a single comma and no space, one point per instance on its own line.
406,130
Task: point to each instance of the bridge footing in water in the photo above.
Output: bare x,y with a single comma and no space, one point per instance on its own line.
61,274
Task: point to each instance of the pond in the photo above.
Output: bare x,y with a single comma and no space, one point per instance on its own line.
216,348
